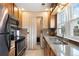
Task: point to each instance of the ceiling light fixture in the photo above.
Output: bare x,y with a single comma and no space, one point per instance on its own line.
59,10
22,9
15,8
51,9
46,9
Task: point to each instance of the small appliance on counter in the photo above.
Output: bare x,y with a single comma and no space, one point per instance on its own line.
52,31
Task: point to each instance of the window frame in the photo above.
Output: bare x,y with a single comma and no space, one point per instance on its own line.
67,24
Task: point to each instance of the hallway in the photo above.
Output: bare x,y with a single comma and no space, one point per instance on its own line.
36,52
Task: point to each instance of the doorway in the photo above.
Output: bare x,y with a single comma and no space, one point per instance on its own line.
31,29
39,28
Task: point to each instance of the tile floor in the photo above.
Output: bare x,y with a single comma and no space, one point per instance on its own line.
36,52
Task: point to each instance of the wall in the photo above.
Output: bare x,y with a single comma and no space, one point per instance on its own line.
26,15
28,23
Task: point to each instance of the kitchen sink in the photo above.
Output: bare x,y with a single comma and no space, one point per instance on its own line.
58,42
63,43
53,38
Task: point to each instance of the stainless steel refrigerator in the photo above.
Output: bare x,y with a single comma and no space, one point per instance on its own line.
4,45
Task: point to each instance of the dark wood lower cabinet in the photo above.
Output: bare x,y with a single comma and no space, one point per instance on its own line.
47,49
52,53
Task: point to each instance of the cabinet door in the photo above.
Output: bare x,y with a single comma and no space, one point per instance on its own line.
44,47
16,12
48,50
20,18
9,6
52,53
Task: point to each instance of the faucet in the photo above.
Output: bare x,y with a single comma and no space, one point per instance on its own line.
61,39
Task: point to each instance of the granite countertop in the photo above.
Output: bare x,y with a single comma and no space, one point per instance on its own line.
61,49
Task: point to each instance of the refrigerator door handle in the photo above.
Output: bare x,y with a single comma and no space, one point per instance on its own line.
5,33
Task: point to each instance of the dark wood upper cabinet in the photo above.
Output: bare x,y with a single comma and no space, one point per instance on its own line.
52,18
9,6
52,21
16,12
13,10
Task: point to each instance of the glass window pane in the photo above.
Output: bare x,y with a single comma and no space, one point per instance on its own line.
74,27
75,52
75,10
61,20
68,21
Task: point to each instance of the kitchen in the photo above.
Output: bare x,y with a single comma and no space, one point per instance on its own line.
39,29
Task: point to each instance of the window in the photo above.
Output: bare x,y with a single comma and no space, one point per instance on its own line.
75,10
75,52
74,27
59,24
61,20
74,21
68,21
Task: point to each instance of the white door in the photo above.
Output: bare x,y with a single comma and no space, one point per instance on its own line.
31,37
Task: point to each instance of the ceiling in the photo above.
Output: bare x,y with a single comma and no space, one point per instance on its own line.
33,6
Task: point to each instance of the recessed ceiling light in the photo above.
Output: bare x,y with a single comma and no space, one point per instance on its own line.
46,9
22,9
15,8
51,9
59,10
